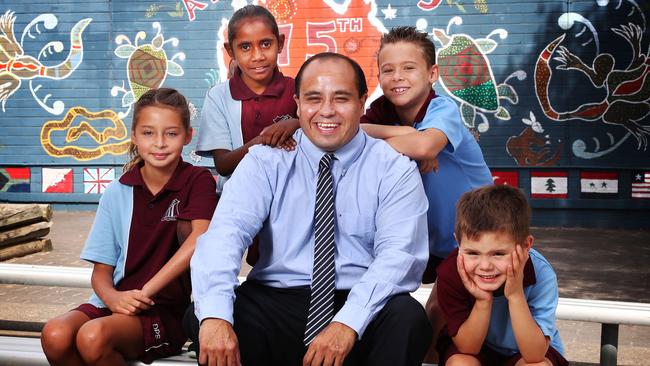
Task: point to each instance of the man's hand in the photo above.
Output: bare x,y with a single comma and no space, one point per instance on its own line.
218,344
470,285
515,273
428,166
331,346
129,302
281,131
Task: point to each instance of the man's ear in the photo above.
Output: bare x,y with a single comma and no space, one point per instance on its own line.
297,100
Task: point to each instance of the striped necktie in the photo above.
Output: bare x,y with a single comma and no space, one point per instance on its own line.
321,305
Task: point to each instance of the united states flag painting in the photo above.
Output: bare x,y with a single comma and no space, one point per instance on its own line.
97,179
641,184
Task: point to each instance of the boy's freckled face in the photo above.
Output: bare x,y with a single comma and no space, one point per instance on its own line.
404,75
487,259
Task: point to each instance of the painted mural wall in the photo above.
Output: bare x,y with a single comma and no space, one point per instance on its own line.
557,92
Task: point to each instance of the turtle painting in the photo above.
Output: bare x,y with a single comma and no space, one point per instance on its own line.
147,65
466,75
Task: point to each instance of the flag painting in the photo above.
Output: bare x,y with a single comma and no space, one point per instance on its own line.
598,184
97,179
548,184
57,180
510,178
641,184
14,180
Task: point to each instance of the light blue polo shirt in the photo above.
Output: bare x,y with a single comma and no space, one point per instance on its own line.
461,168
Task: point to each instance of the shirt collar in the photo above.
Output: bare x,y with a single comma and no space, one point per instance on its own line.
178,180
240,91
345,156
423,110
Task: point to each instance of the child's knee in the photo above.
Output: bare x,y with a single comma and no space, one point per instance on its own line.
57,338
91,341
546,362
462,360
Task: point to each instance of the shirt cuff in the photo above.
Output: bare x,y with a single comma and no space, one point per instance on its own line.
215,307
355,317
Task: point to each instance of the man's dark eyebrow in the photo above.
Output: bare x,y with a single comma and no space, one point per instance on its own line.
311,93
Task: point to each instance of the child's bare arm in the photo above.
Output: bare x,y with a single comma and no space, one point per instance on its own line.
529,337
178,263
383,132
281,132
121,302
225,161
420,145
471,334
417,145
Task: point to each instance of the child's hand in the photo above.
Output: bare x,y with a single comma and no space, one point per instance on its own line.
515,273
427,166
279,132
470,285
129,302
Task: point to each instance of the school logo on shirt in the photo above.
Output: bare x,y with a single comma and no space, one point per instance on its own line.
281,118
172,211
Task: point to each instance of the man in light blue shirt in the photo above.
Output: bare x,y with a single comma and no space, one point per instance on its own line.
380,236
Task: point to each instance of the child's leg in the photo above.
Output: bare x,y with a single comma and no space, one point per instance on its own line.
110,340
546,362
460,359
58,338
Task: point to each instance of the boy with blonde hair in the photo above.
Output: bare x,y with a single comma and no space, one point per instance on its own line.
497,294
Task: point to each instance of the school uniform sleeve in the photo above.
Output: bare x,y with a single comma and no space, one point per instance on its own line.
102,244
543,297
442,114
214,130
454,300
203,197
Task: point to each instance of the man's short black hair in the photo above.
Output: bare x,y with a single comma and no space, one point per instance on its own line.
362,87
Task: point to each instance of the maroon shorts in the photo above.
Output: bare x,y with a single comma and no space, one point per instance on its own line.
163,332
490,357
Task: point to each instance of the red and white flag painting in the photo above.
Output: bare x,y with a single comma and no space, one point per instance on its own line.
506,178
598,184
549,185
641,184
57,180
97,179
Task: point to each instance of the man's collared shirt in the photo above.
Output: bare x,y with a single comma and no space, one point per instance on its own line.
380,229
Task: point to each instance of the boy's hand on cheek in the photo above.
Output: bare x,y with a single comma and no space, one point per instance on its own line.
515,273
470,285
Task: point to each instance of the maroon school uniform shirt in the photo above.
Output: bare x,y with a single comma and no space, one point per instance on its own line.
190,194
383,112
258,111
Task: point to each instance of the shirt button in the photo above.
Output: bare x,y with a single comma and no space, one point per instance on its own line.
258,115
150,205
256,99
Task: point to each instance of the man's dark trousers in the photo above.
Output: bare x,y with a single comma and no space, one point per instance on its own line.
270,326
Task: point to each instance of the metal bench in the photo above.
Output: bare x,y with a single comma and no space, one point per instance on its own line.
609,313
